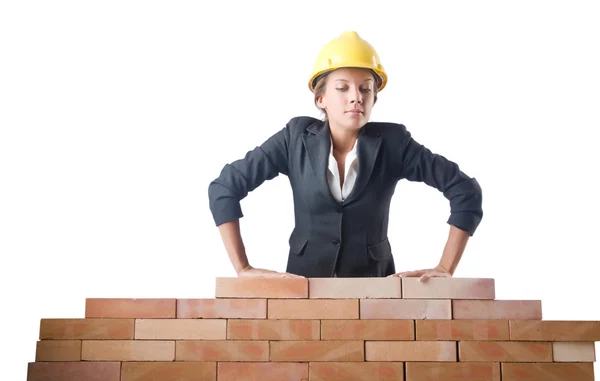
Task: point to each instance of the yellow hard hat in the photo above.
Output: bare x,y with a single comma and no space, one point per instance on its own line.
348,50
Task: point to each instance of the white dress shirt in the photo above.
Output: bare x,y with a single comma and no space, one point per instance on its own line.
340,193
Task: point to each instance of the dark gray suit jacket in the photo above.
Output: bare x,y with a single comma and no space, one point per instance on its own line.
349,238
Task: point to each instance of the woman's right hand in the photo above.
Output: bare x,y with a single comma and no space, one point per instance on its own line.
250,271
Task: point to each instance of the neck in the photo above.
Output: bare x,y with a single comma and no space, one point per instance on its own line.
343,139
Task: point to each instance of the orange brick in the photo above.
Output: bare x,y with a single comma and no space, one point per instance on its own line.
367,330
181,329
555,330
447,371
317,351
410,350
504,351
74,371
58,350
497,309
169,371
127,350
246,329
357,288
405,309
356,371
462,330
69,329
448,288
261,288
262,371
230,350
129,308
547,372
574,352
222,308
313,309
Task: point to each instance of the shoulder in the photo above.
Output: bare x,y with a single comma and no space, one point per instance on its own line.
298,125
387,130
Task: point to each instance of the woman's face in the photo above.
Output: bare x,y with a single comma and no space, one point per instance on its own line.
349,97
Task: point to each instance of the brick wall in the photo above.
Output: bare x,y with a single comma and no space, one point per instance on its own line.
318,329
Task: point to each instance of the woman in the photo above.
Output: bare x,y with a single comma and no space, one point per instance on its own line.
343,171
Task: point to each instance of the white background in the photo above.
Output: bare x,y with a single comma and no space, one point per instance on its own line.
116,115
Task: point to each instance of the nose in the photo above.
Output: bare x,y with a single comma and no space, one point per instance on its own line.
356,96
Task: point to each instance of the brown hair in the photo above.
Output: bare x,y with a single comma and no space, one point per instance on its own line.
321,84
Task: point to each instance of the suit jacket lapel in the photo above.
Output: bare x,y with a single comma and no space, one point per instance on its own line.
318,145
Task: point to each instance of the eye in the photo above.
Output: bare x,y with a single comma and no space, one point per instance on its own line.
340,88
367,90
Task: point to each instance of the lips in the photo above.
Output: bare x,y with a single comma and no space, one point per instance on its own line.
354,111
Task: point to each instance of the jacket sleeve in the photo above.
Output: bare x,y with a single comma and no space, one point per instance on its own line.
242,176
464,193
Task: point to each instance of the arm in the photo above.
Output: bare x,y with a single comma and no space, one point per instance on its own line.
455,246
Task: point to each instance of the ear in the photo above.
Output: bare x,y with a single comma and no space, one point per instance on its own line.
320,102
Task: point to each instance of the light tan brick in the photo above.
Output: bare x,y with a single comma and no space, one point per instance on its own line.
555,330
127,350
405,309
262,371
497,309
169,371
356,371
181,329
574,352
222,308
92,329
448,288
547,372
129,308
74,371
462,330
261,288
247,329
504,351
58,350
410,351
354,288
452,371
317,351
230,350
313,309
367,330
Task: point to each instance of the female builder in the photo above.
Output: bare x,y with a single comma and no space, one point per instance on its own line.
343,171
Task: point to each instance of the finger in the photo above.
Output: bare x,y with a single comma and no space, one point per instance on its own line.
412,273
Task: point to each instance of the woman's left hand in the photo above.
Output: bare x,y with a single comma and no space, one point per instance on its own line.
437,272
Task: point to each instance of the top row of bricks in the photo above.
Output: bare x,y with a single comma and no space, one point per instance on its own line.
356,288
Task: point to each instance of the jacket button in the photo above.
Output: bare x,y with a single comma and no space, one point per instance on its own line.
336,242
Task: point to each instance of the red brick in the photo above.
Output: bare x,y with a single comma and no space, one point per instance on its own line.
169,371
504,351
181,329
448,288
497,309
554,330
222,308
247,329
91,329
312,309
547,372
448,371
74,371
127,350
367,330
462,330
58,350
405,309
356,371
410,351
354,288
129,308
574,352
230,350
317,351
261,288
262,371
